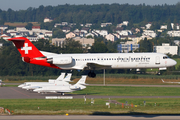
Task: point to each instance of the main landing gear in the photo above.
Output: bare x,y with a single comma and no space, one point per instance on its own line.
92,74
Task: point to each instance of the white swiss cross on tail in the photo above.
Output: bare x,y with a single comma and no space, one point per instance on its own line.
26,48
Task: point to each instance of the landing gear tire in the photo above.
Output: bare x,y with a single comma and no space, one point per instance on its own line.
159,73
92,74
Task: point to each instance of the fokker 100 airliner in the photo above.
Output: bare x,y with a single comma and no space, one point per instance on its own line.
94,61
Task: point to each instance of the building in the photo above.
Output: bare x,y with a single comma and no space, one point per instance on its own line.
5,36
36,28
85,30
163,27
3,27
126,47
64,23
88,25
32,38
66,29
124,32
149,33
101,32
58,41
174,33
125,23
20,28
12,32
166,49
48,33
105,24
90,34
47,20
148,26
70,35
111,37
85,41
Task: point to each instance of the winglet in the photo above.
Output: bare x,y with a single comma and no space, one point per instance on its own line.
162,80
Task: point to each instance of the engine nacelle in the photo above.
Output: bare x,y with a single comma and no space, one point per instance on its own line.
60,60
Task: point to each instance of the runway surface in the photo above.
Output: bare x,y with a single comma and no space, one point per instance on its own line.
132,85
18,93
90,117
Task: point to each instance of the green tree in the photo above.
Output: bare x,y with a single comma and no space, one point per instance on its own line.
58,33
145,46
99,47
29,26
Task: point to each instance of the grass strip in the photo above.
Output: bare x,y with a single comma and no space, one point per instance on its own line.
78,107
130,91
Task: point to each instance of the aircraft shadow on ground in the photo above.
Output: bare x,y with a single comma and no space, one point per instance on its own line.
108,113
133,114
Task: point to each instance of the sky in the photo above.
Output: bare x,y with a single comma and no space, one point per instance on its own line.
24,4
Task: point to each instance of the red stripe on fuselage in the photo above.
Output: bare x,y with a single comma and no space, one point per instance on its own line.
43,62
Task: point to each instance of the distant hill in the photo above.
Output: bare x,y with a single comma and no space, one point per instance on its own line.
114,13
20,24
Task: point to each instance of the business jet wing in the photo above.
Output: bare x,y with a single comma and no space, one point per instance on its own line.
170,82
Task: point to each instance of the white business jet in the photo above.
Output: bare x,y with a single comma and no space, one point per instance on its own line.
61,77
63,89
34,85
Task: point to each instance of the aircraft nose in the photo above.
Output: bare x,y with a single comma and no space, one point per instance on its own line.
20,85
35,90
173,62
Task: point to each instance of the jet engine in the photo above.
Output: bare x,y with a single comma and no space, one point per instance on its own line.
60,60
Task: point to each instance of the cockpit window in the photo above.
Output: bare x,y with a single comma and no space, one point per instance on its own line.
165,57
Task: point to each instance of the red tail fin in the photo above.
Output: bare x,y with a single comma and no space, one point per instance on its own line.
26,48
30,53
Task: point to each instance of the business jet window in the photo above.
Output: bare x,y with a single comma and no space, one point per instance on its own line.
109,58
165,57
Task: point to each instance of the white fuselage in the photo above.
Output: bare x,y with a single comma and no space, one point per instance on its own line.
115,61
59,88
34,85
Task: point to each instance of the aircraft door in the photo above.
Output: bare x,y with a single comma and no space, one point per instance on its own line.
157,62
118,59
